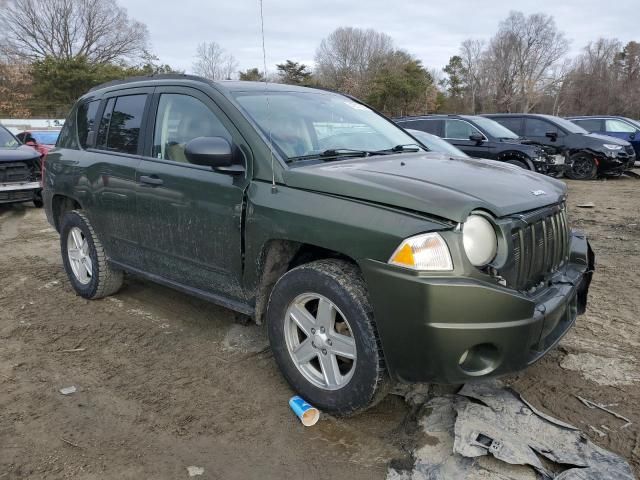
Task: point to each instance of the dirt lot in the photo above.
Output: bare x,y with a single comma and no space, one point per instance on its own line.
165,381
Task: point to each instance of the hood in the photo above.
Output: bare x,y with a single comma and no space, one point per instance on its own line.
600,139
20,153
431,183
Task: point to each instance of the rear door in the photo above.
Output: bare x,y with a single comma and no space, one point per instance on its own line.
457,132
189,216
115,146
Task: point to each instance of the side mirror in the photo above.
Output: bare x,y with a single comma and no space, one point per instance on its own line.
476,137
214,152
552,135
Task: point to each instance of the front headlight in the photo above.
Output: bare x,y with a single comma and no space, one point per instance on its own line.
610,146
480,240
428,251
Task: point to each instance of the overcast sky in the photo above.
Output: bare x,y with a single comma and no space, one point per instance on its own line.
430,30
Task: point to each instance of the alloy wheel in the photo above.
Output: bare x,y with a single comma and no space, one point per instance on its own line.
320,341
79,258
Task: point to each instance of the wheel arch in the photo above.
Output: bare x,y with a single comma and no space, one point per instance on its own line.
516,155
277,257
61,204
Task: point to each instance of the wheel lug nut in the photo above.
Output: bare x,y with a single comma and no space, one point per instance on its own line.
321,329
313,330
313,344
324,351
329,342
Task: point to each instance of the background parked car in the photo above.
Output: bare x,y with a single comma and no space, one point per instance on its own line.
483,138
619,127
19,171
45,140
437,144
589,154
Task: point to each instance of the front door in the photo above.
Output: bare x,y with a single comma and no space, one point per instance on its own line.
623,130
189,216
457,132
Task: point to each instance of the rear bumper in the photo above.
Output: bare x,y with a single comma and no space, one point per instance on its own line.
452,330
19,191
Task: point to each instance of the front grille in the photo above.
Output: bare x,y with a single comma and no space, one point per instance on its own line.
539,249
16,196
14,172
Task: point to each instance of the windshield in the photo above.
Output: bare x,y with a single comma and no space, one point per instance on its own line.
6,139
494,129
566,124
436,144
46,138
304,124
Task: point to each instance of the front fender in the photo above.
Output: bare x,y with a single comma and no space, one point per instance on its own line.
356,229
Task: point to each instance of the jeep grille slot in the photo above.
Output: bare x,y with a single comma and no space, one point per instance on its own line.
539,249
14,172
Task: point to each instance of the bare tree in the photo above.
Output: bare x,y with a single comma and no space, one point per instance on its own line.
471,53
99,30
350,57
213,62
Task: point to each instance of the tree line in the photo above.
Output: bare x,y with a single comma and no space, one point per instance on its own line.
52,51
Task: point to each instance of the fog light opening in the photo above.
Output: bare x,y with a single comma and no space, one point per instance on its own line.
480,359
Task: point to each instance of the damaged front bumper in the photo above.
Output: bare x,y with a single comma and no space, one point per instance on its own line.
443,329
19,191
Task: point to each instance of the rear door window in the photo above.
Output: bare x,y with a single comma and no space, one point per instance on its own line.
513,124
119,129
429,126
86,119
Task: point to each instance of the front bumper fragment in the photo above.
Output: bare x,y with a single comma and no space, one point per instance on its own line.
430,326
19,191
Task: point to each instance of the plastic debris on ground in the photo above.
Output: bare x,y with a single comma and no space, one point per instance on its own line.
68,390
490,432
195,471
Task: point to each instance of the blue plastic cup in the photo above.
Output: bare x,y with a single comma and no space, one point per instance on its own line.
307,414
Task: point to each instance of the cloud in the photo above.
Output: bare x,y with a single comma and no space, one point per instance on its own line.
432,31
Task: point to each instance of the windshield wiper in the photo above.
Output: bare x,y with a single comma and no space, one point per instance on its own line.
335,153
400,148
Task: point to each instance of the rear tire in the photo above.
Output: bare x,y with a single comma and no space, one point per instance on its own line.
85,260
583,167
336,364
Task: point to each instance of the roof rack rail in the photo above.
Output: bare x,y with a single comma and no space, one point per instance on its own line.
159,76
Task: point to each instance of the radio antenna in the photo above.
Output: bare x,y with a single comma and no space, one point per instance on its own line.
274,189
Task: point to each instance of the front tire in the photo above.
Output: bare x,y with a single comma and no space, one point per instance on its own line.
84,258
324,338
583,167
518,163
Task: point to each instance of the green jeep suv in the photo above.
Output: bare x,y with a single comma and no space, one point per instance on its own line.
370,259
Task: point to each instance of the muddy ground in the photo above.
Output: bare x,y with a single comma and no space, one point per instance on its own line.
165,381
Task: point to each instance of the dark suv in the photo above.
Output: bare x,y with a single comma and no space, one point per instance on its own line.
619,127
589,154
370,259
482,138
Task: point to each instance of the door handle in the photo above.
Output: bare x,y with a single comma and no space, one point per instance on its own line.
152,180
